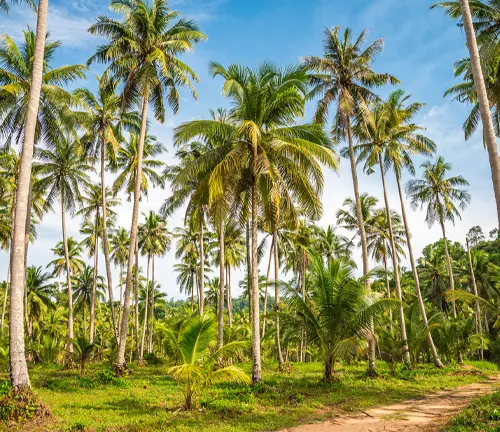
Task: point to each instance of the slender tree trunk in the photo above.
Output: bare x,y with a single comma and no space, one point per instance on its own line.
450,269
229,296
277,297
387,286
395,265
94,280
249,270
364,244
192,291
421,305
19,377
120,309
84,320
266,294
201,299
220,312
484,105
256,362
120,363
68,276
152,308
136,303
6,294
27,231
105,244
146,311
479,329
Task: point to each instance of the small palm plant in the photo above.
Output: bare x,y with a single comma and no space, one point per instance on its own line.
83,352
189,347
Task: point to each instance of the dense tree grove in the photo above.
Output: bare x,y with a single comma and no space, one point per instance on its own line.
250,179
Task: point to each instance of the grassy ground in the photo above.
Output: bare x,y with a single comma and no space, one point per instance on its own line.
149,401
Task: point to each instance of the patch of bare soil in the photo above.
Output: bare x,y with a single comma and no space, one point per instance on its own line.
417,415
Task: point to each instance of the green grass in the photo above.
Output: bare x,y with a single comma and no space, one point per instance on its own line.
149,401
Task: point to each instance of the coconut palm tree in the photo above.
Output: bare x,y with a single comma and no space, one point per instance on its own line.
149,64
487,16
75,252
257,149
187,270
332,245
120,242
63,172
344,78
39,296
439,194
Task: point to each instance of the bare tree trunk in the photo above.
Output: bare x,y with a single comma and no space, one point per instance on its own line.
120,309
192,292
450,269
68,276
136,303
421,305
6,294
256,362
94,280
152,313
84,320
220,312
484,105
479,329
19,377
249,270
364,245
266,294
395,265
229,297
105,244
146,311
201,299
277,296
120,363
387,286
27,231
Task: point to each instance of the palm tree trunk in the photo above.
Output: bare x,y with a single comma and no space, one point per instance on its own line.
94,281
152,308
120,309
421,305
6,293
484,105
84,320
256,362
249,270
364,245
395,265
146,311
201,299
387,286
120,363
105,244
68,276
136,303
450,269
220,312
192,291
229,297
277,297
27,230
479,329
19,377
266,294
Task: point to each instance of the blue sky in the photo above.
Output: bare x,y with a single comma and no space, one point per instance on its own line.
420,49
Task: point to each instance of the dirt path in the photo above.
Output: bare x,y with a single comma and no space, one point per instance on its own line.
426,414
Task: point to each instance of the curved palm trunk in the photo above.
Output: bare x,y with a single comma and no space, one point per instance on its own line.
484,105
421,305
105,244
120,363
266,294
479,329
94,281
256,362
68,277
6,294
387,286
146,311
229,297
136,303
395,265
201,299
152,309
364,244
277,297
450,268
249,270
27,230
220,311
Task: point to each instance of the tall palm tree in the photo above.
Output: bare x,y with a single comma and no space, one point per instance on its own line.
488,31
344,78
143,50
62,173
120,243
261,146
103,127
439,194
75,252
187,270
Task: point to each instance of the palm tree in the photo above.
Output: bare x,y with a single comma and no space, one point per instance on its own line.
120,243
187,270
149,64
261,146
489,32
62,173
344,78
103,127
439,194
39,295
75,252
338,312
332,245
